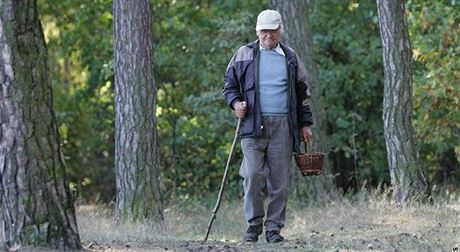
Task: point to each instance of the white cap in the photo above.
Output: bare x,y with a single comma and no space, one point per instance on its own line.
268,20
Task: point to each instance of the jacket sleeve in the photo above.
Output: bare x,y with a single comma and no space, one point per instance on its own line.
232,90
304,114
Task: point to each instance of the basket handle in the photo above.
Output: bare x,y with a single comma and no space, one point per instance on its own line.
309,144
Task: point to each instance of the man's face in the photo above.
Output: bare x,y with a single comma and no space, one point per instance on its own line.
269,38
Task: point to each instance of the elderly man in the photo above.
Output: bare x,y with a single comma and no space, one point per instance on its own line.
266,85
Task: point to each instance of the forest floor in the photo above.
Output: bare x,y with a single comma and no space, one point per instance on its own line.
358,223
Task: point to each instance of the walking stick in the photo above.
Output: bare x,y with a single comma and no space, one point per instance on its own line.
224,179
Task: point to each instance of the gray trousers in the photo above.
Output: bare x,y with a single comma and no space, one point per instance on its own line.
266,171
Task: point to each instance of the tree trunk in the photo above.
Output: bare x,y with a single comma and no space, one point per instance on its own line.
37,206
137,171
297,33
406,170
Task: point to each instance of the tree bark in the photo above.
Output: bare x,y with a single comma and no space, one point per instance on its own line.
137,171
406,170
297,33
37,205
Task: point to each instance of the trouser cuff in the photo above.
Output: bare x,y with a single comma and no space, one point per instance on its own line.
269,226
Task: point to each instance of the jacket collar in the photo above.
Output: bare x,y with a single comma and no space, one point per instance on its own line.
290,57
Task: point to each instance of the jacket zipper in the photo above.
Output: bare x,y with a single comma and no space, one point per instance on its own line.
289,97
258,128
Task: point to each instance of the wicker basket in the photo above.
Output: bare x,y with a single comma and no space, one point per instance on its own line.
310,163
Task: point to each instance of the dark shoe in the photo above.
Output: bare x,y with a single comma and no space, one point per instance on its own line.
273,236
253,232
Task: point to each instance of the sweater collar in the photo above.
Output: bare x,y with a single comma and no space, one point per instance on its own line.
276,49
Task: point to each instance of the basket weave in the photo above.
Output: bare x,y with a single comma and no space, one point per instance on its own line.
310,163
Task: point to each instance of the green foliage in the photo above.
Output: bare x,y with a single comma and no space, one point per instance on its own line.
349,59
434,29
194,40
79,42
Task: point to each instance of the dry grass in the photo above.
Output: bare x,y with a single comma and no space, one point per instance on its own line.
366,222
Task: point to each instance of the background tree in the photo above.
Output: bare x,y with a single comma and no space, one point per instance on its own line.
37,206
137,171
406,169
298,35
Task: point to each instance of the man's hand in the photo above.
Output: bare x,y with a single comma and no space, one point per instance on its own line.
306,134
240,109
